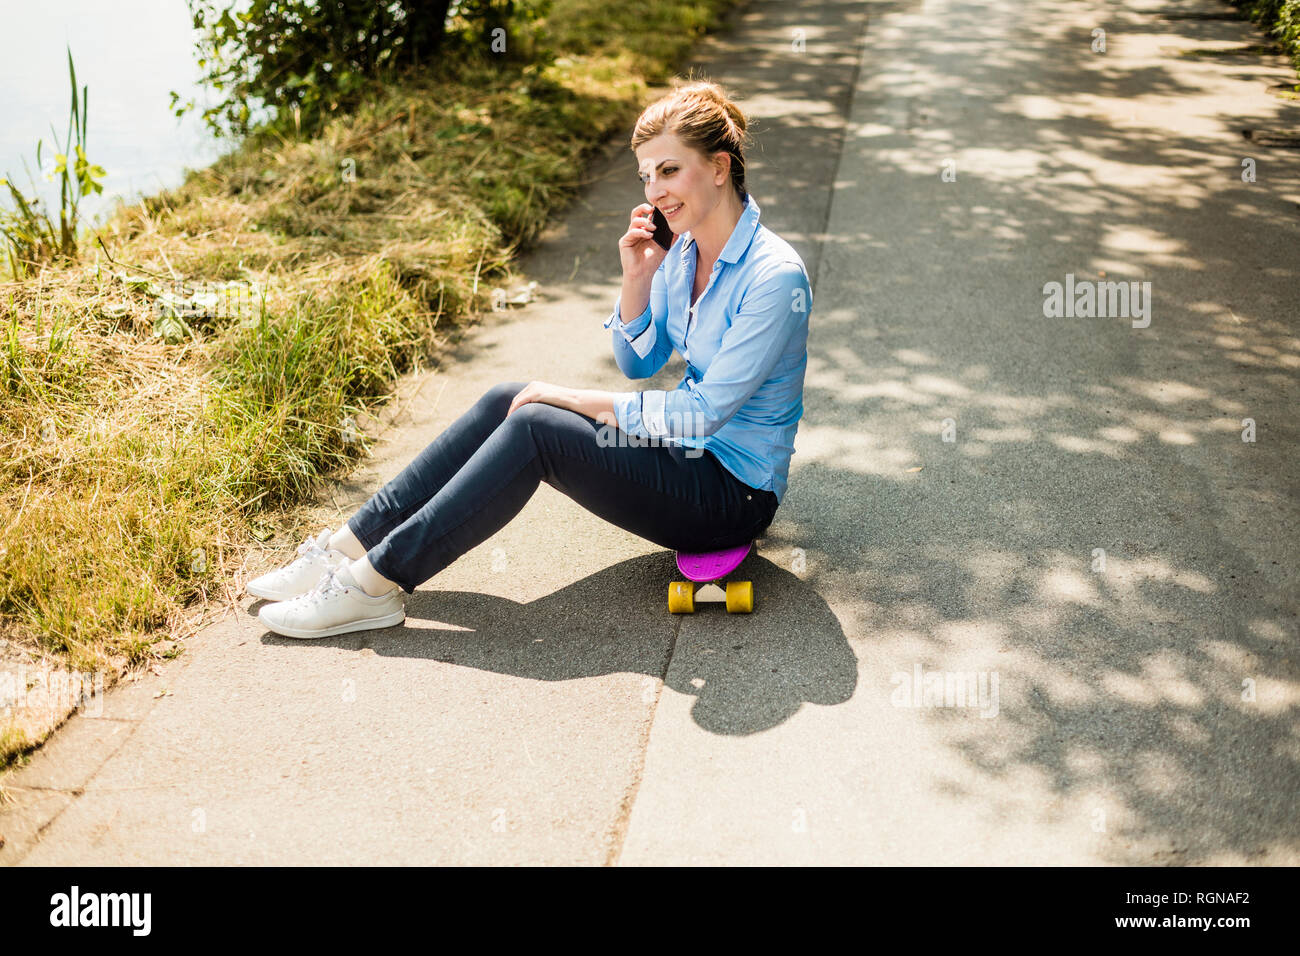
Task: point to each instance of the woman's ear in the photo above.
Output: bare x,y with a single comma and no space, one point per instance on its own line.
721,164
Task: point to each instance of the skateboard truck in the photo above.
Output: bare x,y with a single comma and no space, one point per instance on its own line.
707,570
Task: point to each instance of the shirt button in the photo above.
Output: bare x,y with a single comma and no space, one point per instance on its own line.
749,497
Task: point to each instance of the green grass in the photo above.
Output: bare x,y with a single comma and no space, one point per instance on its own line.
136,472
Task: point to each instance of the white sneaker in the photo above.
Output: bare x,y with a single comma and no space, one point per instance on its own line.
287,583
336,606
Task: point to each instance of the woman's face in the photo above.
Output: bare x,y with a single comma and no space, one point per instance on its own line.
680,181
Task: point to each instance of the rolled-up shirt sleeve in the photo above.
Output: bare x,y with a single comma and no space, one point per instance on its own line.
772,308
641,345
634,329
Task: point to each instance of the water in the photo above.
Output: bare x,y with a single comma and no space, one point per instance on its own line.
130,53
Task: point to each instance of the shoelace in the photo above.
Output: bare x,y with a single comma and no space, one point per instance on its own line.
327,585
310,547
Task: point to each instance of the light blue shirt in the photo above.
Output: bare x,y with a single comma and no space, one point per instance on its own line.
745,342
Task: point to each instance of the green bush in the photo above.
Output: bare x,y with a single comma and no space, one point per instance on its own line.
305,60
1280,18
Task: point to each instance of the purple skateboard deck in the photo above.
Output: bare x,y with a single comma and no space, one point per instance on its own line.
711,565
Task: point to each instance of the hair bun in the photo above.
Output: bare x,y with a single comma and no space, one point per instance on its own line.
708,90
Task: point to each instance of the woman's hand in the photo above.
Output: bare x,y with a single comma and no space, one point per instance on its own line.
639,252
535,392
598,406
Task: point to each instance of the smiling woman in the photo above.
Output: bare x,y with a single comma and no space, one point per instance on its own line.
697,468
672,140
730,295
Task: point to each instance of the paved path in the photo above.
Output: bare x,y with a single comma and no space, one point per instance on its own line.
540,706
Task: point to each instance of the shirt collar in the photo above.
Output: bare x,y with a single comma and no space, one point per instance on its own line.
741,235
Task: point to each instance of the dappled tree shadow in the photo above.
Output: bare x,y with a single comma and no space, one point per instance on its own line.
1070,434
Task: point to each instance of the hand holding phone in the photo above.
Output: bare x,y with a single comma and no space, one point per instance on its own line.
663,232
643,247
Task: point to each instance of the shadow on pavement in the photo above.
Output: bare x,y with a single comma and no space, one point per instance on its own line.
1140,684
747,672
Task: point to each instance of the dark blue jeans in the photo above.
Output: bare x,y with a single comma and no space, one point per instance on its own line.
479,473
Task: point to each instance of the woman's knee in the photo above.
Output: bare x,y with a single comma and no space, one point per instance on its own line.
500,396
549,426
540,414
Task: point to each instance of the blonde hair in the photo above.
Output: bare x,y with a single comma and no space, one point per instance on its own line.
704,117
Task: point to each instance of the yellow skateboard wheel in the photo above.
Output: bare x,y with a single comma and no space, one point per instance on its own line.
740,597
681,597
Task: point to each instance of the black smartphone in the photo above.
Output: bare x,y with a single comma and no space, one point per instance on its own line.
663,232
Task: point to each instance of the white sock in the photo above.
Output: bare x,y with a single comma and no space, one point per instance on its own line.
370,580
344,540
